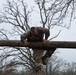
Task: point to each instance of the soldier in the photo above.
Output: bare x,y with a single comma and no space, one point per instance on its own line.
36,34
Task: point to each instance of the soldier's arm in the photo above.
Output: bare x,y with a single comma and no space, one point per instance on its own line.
24,37
46,32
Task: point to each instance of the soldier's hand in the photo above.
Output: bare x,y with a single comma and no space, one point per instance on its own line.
26,42
45,41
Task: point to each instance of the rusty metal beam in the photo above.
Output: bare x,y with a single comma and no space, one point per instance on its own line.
51,44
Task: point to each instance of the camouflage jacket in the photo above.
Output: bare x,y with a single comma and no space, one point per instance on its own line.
39,37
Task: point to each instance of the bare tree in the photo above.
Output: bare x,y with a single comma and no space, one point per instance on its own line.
53,12
16,14
19,19
70,68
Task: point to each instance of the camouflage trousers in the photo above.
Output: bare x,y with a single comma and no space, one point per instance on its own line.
37,55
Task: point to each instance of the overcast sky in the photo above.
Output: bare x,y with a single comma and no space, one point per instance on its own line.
65,35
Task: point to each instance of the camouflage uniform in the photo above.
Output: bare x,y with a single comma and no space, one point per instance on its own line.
37,53
37,37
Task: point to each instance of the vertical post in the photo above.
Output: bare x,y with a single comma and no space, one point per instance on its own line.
47,69
39,72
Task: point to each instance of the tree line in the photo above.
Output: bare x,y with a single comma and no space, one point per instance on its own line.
56,66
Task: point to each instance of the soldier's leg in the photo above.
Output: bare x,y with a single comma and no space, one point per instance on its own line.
37,55
48,54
